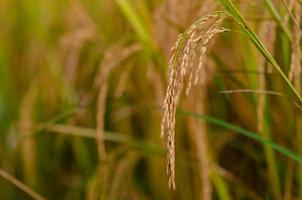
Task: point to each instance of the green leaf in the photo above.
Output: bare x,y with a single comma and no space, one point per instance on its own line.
250,134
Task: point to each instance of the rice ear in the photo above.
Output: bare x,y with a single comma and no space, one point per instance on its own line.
190,45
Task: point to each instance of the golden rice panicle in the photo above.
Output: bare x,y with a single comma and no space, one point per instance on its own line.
188,50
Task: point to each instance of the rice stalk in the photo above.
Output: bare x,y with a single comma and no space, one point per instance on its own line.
121,87
265,34
295,76
189,45
199,139
295,68
28,145
72,43
268,34
21,185
83,30
290,7
288,185
290,13
158,87
90,190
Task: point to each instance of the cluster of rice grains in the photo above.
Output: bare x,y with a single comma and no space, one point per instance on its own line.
186,60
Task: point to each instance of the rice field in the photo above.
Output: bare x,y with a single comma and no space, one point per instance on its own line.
150,99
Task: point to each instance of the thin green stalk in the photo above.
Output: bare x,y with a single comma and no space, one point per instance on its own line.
269,154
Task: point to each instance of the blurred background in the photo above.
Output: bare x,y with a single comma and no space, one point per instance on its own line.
81,90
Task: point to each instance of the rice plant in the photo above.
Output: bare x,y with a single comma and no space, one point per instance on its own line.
150,99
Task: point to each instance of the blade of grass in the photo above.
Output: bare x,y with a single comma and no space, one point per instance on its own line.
244,132
233,12
64,115
44,126
108,136
21,185
251,91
